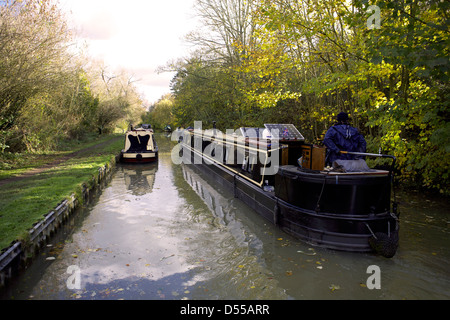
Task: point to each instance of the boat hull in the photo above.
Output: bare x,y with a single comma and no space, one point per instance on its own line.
131,157
343,228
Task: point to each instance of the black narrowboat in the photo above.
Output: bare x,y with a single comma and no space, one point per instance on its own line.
140,146
284,179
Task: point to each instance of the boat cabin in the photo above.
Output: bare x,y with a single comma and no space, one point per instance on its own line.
140,145
252,150
277,159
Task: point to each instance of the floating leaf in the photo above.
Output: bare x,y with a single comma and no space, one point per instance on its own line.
289,273
334,287
305,253
164,258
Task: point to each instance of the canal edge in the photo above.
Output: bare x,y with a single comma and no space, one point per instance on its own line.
21,253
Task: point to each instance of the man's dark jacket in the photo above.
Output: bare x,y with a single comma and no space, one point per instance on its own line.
343,137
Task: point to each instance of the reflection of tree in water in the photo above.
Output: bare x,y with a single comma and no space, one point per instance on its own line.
140,178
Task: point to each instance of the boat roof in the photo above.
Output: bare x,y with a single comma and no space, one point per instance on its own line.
250,132
284,131
139,131
276,130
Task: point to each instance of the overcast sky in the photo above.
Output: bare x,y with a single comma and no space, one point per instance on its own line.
135,35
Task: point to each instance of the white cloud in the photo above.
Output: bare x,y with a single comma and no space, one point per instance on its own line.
135,35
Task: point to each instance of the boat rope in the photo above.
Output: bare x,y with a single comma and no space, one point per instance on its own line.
321,192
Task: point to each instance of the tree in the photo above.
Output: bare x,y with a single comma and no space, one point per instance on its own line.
118,97
67,111
227,27
33,53
161,113
307,60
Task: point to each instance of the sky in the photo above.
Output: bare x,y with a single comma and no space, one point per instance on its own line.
135,35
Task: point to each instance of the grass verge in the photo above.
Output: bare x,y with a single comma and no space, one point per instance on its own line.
25,202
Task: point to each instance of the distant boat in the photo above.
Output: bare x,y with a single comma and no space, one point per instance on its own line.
140,146
347,210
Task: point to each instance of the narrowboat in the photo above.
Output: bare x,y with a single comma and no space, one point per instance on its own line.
140,146
284,179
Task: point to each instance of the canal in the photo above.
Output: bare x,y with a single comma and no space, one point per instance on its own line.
167,232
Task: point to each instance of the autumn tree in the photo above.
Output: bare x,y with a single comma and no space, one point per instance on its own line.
48,90
33,53
119,100
304,61
160,114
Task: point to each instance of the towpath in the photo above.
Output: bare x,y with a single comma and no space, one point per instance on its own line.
59,160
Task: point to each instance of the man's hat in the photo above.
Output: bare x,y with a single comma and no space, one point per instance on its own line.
342,116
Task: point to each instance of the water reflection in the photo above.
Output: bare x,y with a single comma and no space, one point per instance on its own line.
231,251
224,210
139,179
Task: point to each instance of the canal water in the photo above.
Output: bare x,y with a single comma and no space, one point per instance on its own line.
166,232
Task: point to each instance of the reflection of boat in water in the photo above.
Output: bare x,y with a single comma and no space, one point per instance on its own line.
222,209
338,210
140,179
140,146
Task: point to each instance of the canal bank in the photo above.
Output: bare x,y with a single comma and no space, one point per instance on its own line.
75,178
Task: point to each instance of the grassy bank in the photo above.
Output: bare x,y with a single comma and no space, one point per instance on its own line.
24,201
